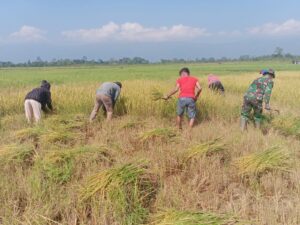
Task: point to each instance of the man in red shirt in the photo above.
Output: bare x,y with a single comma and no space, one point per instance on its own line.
190,90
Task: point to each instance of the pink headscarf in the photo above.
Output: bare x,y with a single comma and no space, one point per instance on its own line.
212,78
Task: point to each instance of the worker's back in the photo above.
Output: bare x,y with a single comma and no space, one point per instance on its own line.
258,88
187,85
109,89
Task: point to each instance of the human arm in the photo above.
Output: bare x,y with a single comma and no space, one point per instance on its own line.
267,94
116,95
49,101
173,92
198,90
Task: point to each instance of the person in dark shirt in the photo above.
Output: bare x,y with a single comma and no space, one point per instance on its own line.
37,100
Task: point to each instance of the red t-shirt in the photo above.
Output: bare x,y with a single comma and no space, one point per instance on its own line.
187,86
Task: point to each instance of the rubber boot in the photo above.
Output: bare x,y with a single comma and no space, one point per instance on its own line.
243,124
257,124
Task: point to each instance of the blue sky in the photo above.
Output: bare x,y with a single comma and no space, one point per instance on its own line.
148,28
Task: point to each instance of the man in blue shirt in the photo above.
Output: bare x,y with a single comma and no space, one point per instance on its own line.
106,95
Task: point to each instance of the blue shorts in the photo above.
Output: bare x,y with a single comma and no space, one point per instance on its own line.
187,104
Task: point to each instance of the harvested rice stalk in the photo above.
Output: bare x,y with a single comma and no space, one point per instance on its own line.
30,133
259,162
17,154
127,188
203,149
156,95
58,165
164,133
175,217
132,124
67,122
59,136
288,126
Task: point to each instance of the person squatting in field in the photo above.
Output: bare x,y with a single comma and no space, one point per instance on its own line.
106,96
36,101
259,91
190,90
214,84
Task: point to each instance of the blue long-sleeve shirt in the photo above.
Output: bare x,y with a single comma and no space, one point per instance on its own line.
110,89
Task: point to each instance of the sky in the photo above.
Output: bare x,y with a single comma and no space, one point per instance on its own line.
151,29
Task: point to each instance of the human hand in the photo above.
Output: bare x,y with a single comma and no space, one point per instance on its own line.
165,97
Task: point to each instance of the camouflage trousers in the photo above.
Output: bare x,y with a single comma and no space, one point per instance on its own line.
250,104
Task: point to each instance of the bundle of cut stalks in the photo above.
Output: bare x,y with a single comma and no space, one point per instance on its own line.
127,188
204,149
118,177
30,133
16,154
175,217
288,126
58,166
156,95
164,133
268,160
132,124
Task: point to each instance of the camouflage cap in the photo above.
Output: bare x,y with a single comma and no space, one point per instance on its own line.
268,72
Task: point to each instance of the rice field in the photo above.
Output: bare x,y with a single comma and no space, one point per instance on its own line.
139,169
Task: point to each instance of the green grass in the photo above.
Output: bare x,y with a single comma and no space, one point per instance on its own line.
24,77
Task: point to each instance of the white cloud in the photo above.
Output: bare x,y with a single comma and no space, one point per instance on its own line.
287,28
97,34
28,33
135,32
235,33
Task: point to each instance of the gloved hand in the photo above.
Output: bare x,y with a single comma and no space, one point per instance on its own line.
267,107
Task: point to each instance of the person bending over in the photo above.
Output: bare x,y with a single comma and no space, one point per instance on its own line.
215,84
37,100
259,91
106,96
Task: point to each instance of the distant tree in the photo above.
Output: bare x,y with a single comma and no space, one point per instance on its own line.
278,52
84,59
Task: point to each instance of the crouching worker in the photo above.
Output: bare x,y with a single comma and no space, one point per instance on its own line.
36,101
106,96
214,84
259,91
190,90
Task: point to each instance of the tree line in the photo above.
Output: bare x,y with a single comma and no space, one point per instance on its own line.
278,54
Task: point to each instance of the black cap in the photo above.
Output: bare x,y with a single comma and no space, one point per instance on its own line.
45,84
118,83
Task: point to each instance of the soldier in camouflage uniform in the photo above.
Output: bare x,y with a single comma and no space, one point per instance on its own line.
259,91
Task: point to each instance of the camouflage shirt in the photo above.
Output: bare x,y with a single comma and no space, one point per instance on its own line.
260,89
